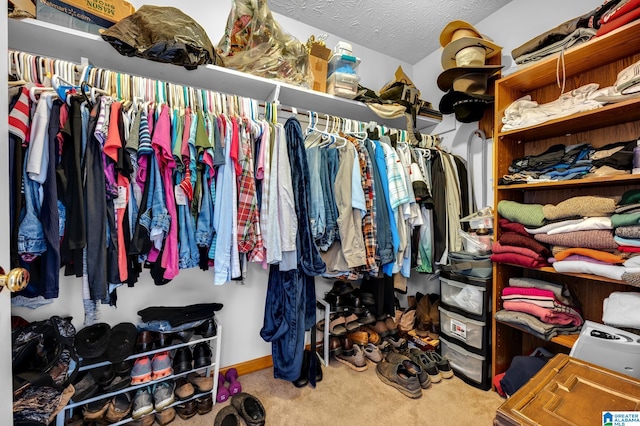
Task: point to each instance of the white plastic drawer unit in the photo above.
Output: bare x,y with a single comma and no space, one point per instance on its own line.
473,333
467,297
473,366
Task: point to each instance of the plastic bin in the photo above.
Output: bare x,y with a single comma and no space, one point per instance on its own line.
473,333
343,85
465,294
474,369
345,64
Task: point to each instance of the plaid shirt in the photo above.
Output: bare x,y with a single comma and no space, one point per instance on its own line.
247,204
369,220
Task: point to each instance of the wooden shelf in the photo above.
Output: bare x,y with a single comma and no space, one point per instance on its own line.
550,270
606,49
565,340
621,112
54,41
574,183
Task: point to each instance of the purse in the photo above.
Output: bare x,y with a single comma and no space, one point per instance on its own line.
469,264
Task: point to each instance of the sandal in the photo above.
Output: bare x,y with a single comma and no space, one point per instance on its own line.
351,323
234,385
337,327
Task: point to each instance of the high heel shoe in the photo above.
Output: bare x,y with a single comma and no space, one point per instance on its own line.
234,385
223,393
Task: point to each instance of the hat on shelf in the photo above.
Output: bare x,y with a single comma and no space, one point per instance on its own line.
462,43
92,341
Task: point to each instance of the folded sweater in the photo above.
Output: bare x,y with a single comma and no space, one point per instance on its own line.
518,259
508,226
544,314
513,239
595,254
526,214
500,248
580,206
599,239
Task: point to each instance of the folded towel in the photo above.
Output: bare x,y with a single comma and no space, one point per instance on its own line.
513,239
632,231
526,214
587,224
599,239
518,259
594,254
620,309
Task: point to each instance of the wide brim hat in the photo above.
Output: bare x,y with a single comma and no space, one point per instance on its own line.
446,36
448,78
92,341
467,107
448,58
122,342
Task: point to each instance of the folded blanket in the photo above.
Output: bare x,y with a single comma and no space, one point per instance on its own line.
508,226
581,267
598,239
587,224
625,219
594,254
559,291
580,206
553,225
513,239
498,247
534,325
518,259
632,231
526,214
544,314
620,309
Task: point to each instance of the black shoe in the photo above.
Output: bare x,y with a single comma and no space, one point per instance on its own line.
303,379
201,355
182,360
207,329
318,371
366,317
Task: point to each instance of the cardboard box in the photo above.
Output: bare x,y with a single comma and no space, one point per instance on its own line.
83,15
319,64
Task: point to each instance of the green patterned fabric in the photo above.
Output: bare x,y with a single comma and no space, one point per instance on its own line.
526,214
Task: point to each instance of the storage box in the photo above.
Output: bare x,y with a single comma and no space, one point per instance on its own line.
472,368
83,15
346,64
318,64
466,295
473,335
343,85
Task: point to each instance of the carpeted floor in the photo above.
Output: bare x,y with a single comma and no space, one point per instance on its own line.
350,398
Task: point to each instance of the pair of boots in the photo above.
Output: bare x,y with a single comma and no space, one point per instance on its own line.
427,315
234,388
303,380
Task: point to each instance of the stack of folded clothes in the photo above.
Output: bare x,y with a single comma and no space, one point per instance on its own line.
626,222
515,246
622,13
544,309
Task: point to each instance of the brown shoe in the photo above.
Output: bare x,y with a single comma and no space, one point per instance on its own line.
347,345
351,323
380,328
184,389
373,336
119,407
188,409
147,420
391,326
166,416
144,341
335,347
200,383
95,410
205,404
359,337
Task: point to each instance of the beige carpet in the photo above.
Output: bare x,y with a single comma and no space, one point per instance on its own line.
350,398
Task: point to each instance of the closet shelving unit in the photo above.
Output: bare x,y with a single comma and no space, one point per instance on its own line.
599,61
213,342
42,38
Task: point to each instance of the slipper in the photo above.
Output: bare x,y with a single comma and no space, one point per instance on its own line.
336,327
320,325
234,385
351,323
250,408
223,393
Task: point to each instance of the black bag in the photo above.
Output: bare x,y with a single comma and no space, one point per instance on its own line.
43,354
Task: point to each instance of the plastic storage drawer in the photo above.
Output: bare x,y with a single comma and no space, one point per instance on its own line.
466,295
472,368
472,333
343,85
345,64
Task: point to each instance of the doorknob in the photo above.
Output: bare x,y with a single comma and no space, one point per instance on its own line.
16,280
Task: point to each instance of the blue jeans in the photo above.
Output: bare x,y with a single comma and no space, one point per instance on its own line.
316,206
30,233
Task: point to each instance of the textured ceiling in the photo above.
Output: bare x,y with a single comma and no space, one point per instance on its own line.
404,29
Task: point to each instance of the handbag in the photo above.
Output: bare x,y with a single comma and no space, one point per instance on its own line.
469,264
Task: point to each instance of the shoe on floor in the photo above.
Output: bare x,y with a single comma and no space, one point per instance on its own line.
397,376
228,416
142,403
163,394
356,361
442,363
372,352
161,366
429,369
250,408
398,344
359,337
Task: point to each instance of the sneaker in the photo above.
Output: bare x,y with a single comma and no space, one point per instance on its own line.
141,371
410,366
161,365
163,394
427,364
142,403
398,344
442,363
356,361
397,376
372,352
